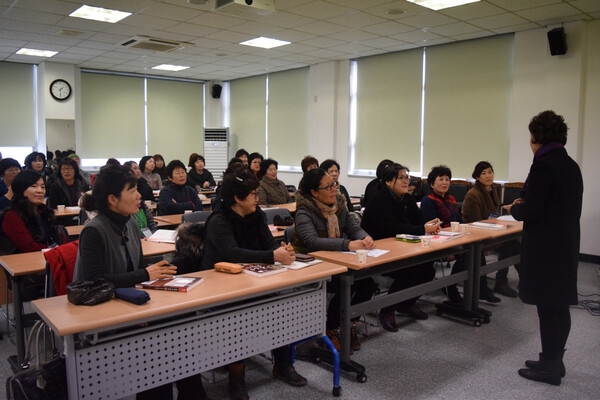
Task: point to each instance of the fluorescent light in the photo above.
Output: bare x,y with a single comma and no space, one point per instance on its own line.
36,53
99,14
441,4
169,67
265,43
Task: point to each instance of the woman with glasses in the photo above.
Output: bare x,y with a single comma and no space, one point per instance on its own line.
66,186
271,189
391,211
333,169
238,232
324,223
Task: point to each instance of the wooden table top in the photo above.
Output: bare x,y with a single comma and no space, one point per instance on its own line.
66,318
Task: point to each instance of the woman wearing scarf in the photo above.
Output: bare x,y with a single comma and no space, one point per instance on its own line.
442,205
324,223
550,210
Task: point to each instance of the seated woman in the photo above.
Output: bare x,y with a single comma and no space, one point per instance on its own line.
333,169
160,167
147,166
199,177
442,205
28,223
36,162
481,202
324,223
243,155
372,185
254,162
142,184
391,211
85,175
177,197
238,232
9,169
110,248
66,186
271,189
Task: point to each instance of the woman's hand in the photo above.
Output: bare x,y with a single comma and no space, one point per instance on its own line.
206,184
433,226
509,206
362,244
284,254
161,269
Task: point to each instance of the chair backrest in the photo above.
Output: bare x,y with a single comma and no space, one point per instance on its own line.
288,234
196,216
511,191
60,267
459,189
272,212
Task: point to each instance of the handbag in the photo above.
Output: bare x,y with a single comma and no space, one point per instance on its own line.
43,380
90,292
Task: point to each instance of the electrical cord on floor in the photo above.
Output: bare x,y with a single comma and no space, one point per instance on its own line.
592,306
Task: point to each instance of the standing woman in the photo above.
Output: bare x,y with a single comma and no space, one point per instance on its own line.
551,204
147,166
199,177
66,186
28,223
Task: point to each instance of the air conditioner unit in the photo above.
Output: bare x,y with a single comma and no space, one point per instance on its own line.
153,44
241,7
216,151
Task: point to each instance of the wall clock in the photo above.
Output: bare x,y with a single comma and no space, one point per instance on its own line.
60,89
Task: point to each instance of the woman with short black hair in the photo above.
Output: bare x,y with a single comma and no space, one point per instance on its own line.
199,177
66,186
147,166
177,196
272,190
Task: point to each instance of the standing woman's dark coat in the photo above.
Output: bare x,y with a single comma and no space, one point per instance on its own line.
550,245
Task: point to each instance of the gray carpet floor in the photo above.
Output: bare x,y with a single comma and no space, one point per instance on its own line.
438,358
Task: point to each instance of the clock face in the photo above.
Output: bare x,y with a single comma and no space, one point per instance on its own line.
60,89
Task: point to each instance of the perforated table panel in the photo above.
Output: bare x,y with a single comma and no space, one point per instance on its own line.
148,358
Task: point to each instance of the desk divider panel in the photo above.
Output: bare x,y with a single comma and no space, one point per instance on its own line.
129,364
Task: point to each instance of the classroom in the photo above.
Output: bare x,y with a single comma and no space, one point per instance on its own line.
451,87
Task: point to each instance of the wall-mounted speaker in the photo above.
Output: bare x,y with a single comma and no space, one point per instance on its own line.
216,91
557,39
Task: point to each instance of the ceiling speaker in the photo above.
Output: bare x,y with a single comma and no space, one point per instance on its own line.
216,91
557,39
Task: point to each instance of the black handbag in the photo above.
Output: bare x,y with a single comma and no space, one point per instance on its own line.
44,380
90,292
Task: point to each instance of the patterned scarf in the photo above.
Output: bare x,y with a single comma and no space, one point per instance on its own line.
333,227
446,207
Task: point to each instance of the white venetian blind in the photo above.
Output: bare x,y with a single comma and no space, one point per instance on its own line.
467,99
17,110
248,113
175,119
288,114
388,120
112,116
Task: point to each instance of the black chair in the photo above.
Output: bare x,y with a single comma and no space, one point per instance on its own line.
272,212
459,189
511,192
196,216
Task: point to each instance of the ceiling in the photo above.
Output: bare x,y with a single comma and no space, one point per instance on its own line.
320,31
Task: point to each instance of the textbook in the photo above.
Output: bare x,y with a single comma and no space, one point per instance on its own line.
442,236
177,284
302,264
163,235
408,238
257,269
487,225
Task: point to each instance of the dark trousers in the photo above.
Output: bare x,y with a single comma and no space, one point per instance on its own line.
362,290
187,389
555,325
409,277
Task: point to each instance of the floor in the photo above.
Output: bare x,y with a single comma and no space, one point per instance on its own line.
439,358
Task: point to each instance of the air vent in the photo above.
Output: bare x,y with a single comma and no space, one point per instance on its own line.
153,44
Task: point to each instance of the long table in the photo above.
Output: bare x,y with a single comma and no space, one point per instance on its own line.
21,265
120,348
403,255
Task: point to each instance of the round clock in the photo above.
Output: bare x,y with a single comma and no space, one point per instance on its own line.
60,89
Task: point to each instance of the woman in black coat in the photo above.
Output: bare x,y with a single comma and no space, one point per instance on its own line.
550,211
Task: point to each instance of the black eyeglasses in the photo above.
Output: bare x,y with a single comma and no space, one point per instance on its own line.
334,185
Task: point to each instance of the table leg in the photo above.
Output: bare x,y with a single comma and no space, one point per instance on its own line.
18,311
345,298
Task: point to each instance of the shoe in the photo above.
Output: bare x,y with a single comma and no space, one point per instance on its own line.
486,294
412,311
505,290
288,374
334,336
453,295
535,364
354,341
548,375
387,319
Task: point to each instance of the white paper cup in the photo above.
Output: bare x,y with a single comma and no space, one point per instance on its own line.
454,226
464,228
187,211
61,208
425,241
361,256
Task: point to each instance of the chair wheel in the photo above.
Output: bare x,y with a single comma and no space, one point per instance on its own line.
337,391
362,378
